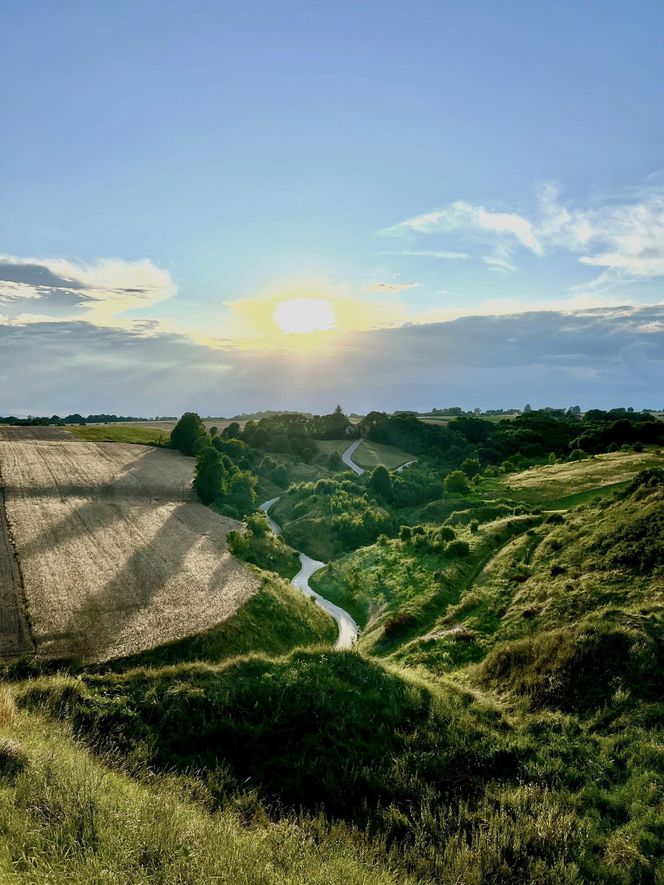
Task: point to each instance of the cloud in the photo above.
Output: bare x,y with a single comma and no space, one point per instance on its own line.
593,356
623,236
105,289
391,288
465,216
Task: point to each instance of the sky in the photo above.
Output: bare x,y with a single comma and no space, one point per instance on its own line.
228,207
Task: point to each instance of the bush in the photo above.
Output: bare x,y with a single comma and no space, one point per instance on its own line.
456,483
457,549
577,668
471,467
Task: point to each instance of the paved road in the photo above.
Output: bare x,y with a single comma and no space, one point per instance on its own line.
348,629
403,466
347,459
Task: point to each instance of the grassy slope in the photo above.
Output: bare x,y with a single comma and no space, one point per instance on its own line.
124,433
313,728
398,591
570,484
65,817
371,454
311,532
368,454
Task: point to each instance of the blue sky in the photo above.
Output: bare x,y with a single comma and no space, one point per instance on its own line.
412,162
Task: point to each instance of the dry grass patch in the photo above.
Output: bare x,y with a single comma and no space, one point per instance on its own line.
551,483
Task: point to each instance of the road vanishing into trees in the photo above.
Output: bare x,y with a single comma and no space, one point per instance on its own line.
348,629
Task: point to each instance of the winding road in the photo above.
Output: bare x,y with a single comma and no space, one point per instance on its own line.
348,461
348,629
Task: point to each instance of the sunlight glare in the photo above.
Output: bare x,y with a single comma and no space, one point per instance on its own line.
299,315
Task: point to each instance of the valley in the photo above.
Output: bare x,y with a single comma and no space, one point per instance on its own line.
450,672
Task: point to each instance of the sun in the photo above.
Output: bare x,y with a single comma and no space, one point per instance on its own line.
299,315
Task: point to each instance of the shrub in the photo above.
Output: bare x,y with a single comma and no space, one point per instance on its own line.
457,549
471,467
398,625
579,667
474,525
456,483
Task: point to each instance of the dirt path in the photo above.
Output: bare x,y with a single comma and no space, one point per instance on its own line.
15,638
348,629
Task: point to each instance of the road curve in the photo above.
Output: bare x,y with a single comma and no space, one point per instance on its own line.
348,461
403,466
348,629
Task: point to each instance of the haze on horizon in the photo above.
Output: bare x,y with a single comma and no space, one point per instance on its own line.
286,206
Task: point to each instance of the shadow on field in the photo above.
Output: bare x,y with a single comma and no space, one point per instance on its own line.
118,545
106,505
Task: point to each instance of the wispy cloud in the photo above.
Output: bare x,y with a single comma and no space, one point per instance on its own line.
465,216
622,236
390,288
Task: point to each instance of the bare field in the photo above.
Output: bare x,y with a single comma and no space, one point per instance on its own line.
115,552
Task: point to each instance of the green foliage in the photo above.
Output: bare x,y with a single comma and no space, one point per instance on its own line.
456,483
471,467
218,481
580,667
259,546
186,432
577,455
380,482
458,548
209,475
286,725
335,462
